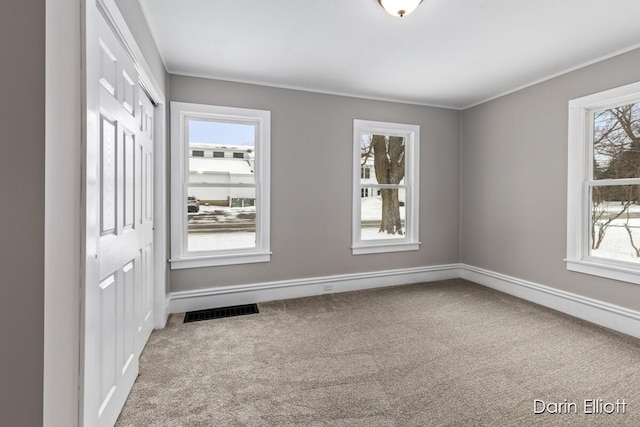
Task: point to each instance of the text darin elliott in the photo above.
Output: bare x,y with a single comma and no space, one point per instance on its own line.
590,407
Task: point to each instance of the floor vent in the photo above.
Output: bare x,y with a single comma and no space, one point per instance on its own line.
217,313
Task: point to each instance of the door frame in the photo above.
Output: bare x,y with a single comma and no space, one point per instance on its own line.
65,218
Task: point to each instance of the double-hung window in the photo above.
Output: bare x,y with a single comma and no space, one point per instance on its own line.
386,159
603,226
220,202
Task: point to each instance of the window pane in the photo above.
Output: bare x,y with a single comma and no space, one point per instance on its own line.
385,151
221,152
221,218
615,222
616,142
373,203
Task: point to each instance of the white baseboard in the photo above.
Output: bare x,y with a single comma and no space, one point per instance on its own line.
270,291
601,313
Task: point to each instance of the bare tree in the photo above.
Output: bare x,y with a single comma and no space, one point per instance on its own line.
627,227
616,142
601,215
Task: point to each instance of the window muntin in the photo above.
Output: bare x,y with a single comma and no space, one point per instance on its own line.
603,225
386,210
230,224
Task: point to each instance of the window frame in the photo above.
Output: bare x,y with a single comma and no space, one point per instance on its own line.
181,112
579,183
410,242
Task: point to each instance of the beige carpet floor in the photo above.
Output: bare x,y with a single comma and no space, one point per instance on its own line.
450,353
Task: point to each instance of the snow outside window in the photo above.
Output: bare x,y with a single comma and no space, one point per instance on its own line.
604,184
219,203
386,163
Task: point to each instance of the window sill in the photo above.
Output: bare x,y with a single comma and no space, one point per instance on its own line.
610,271
219,260
377,248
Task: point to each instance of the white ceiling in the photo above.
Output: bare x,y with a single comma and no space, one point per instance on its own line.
452,53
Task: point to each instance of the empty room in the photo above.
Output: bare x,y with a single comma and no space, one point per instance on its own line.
340,213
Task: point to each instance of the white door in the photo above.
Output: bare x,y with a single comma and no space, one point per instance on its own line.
119,223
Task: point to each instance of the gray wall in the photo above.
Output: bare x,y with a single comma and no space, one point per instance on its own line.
311,187
514,181
22,78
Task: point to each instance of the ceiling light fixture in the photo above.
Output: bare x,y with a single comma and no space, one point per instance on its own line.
399,7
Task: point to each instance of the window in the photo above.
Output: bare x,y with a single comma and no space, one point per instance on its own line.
238,155
219,204
385,200
603,224
197,153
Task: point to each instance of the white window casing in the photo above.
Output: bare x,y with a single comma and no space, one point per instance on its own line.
580,181
181,113
409,186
